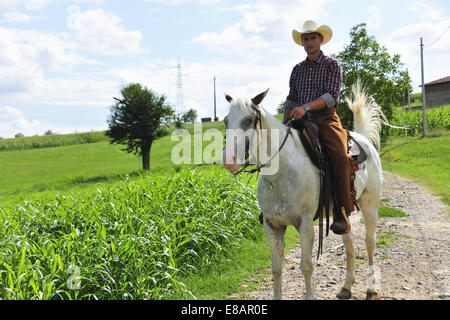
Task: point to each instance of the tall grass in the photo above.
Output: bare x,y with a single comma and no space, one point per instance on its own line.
437,119
54,140
133,240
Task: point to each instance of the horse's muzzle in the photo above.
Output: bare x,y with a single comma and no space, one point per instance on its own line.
232,165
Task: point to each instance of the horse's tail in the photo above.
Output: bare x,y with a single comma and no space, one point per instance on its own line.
367,114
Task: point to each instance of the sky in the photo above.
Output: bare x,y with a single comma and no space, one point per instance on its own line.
63,61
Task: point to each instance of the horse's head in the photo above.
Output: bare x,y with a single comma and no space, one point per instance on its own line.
242,122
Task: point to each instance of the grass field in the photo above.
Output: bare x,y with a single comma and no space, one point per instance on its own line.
168,233
74,164
425,160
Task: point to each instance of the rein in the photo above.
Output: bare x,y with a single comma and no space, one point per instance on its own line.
247,161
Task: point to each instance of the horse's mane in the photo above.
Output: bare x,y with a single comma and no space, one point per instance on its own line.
271,120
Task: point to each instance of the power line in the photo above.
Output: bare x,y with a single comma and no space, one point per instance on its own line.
445,31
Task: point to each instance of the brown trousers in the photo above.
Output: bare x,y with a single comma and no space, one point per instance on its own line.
334,139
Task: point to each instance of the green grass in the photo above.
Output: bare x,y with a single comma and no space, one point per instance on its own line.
249,259
61,168
77,166
386,212
131,240
54,140
425,160
386,240
437,119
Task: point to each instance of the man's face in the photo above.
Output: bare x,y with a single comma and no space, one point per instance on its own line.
311,42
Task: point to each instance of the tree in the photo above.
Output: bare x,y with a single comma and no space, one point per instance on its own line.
137,120
381,74
19,135
189,116
177,121
280,108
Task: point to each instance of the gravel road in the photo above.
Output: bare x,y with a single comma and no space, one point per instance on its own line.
412,253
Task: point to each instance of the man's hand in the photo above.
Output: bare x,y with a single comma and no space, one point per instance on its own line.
298,112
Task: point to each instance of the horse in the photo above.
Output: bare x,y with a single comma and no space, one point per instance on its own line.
289,195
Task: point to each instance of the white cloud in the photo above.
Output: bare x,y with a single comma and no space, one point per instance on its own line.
28,4
15,17
26,54
102,33
13,121
175,2
426,11
86,91
266,24
405,40
241,7
8,113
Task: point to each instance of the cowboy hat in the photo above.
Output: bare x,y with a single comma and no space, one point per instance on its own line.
310,27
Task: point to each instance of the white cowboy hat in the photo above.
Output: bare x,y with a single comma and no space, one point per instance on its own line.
310,27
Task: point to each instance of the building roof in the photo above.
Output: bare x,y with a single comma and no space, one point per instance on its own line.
443,80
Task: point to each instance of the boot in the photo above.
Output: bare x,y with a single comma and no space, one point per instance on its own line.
341,224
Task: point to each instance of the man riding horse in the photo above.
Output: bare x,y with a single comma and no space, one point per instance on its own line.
315,85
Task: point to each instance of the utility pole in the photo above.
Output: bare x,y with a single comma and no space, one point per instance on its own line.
180,108
424,113
409,100
214,98
409,94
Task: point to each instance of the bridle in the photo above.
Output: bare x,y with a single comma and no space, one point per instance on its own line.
247,146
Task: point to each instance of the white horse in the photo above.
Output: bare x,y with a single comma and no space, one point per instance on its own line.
290,195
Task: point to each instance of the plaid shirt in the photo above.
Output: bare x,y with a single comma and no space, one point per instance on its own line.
310,80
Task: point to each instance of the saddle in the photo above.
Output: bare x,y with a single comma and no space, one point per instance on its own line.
308,132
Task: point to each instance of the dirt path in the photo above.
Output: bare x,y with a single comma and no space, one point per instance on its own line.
412,255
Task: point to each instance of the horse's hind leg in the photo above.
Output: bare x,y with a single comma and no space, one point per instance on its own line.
369,207
275,236
346,292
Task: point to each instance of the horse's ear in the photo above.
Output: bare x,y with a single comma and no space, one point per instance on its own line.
228,97
259,98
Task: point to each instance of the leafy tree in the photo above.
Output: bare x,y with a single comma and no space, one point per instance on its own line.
280,108
48,133
19,135
189,116
137,120
177,121
380,73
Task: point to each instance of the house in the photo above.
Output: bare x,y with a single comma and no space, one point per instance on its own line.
437,93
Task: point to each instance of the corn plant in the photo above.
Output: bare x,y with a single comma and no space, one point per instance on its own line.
133,240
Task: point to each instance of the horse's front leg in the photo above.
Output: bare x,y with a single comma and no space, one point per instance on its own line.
306,231
275,236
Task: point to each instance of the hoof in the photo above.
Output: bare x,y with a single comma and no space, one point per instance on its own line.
344,294
371,295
